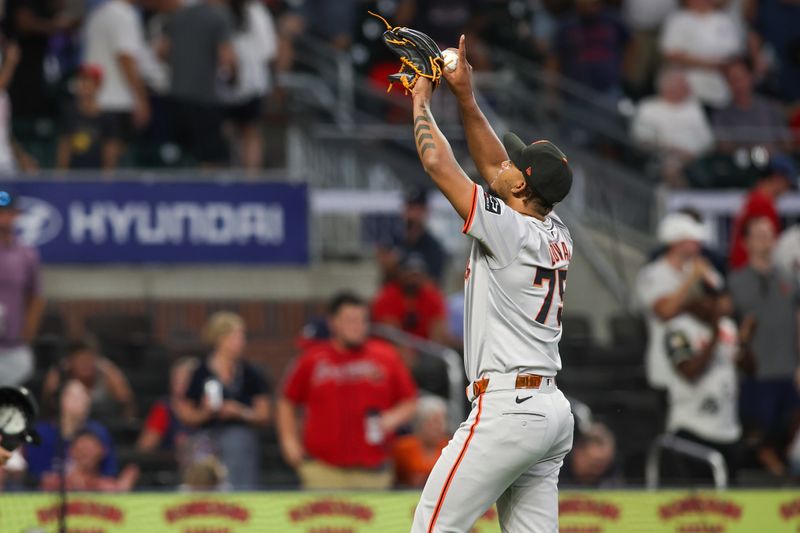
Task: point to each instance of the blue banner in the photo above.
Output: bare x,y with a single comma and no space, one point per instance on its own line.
178,222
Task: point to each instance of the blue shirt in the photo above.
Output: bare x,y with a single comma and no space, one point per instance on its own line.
42,458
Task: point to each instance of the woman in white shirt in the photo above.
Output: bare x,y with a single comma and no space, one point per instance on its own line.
702,38
255,42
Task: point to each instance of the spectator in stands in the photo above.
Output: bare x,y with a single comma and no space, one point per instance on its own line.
228,398
760,293
110,392
672,123
443,20
702,39
413,237
705,350
787,253
776,22
591,462
412,302
415,454
589,48
335,22
81,142
665,287
198,47
356,393
644,18
114,43
74,418
21,302
255,42
750,119
776,179
10,60
32,23
83,471
162,427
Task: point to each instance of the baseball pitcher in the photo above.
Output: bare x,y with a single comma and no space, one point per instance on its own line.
512,445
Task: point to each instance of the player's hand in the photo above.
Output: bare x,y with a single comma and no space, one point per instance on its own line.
422,89
293,452
460,80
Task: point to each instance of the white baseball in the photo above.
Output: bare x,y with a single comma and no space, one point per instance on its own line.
450,60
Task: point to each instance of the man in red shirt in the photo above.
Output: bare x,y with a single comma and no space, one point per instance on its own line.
356,392
761,202
412,302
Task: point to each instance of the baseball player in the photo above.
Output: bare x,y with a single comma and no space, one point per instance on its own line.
512,445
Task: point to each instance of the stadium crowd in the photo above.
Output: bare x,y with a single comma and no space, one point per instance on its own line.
112,83
712,79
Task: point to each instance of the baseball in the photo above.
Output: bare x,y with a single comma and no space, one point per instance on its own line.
450,60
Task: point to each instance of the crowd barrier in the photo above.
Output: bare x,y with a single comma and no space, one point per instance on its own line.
352,512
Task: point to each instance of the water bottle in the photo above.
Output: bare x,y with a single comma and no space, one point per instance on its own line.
213,392
373,433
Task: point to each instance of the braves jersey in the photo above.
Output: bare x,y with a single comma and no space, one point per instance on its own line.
708,405
514,289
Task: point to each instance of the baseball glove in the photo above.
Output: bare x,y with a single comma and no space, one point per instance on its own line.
419,55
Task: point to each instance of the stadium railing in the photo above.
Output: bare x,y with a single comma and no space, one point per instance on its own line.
692,450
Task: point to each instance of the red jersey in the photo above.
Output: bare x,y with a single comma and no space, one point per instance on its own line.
415,314
339,390
756,205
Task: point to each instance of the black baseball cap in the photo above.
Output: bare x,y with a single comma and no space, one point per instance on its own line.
544,166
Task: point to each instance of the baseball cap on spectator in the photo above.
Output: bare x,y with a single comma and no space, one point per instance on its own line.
416,196
414,263
782,165
677,227
8,198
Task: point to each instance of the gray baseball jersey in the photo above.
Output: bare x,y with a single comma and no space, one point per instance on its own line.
512,445
515,282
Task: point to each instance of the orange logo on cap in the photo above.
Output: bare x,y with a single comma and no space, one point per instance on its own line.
528,171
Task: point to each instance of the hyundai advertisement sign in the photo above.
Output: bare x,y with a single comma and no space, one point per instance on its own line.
181,222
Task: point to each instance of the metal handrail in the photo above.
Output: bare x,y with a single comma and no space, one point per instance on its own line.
668,441
455,366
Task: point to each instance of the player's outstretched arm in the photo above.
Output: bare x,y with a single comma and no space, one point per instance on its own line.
436,155
485,148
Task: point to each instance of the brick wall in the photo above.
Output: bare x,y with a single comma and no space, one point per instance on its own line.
272,325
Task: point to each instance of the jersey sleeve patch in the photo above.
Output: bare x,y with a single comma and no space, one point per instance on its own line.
490,203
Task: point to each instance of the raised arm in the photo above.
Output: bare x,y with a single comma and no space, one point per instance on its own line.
436,155
484,146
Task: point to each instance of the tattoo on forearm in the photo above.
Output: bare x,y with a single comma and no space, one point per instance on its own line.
422,127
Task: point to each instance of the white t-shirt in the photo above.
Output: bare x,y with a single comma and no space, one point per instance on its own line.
707,406
713,36
682,126
655,281
787,253
255,45
113,29
514,289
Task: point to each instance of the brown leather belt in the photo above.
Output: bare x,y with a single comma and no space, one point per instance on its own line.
523,381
